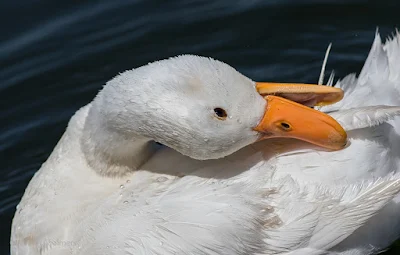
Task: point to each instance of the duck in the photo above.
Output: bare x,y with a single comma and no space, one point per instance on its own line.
218,183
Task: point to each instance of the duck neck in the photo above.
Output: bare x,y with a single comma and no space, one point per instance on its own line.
110,152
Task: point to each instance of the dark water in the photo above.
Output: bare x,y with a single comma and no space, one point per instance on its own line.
55,56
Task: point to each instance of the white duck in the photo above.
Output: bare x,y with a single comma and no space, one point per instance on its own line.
108,189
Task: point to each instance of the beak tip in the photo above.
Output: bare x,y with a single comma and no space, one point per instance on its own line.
339,140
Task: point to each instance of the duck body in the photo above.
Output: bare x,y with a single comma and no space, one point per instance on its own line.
374,151
377,84
274,197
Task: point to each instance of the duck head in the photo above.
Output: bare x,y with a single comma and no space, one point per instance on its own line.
205,109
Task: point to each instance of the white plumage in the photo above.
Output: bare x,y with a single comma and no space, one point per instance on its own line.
263,199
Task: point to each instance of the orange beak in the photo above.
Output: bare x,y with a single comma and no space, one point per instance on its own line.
286,118
307,94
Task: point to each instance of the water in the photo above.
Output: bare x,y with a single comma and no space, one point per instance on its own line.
55,56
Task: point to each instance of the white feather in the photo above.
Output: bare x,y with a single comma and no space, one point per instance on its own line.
363,117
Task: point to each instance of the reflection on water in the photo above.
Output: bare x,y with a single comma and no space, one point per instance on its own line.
55,56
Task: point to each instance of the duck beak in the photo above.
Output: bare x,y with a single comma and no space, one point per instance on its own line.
287,114
306,94
285,118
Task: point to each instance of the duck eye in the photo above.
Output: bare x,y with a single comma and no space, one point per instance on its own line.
220,113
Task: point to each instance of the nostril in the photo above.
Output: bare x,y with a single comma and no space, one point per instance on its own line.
285,125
